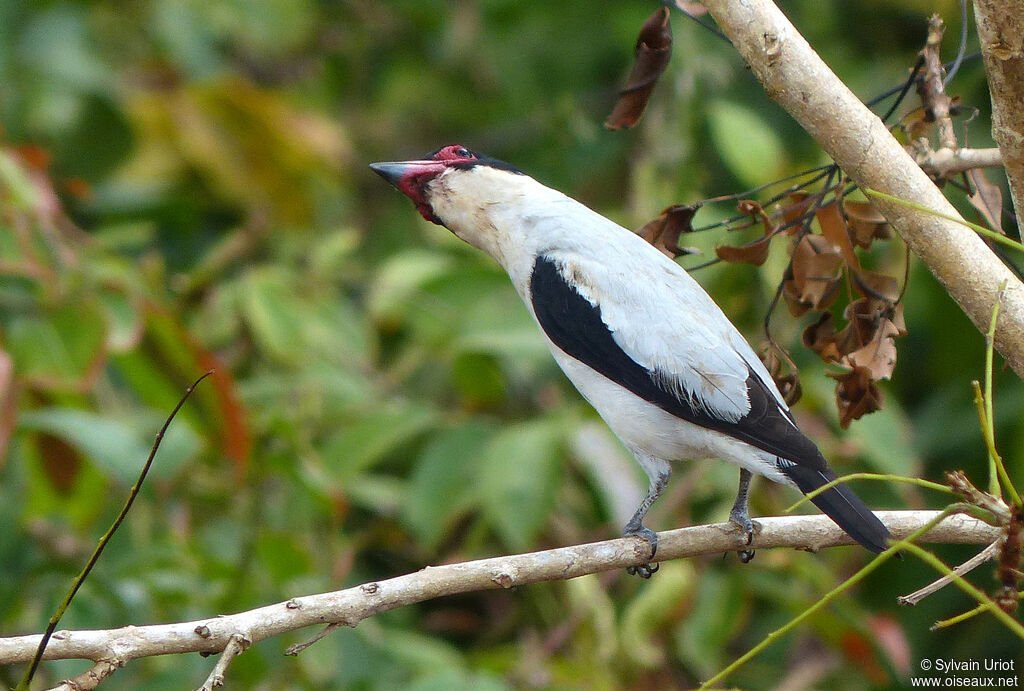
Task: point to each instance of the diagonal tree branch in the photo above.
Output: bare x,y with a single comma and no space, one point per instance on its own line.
1001,30
796,77
113,648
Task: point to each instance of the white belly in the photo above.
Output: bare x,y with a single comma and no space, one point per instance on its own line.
645,428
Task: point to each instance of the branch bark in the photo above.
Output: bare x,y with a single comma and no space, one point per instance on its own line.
1001,31
796,77
113,648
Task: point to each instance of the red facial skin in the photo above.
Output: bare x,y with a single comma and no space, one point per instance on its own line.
418,173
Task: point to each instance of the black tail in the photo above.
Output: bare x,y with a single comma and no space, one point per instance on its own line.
842,506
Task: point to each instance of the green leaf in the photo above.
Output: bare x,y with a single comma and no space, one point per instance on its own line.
58,346
273,315
111,444
518,478
704,637
360,444
750,149
438,491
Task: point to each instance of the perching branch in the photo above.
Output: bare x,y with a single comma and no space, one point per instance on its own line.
114,648
794,75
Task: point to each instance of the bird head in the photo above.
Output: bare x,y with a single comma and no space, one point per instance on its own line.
461,190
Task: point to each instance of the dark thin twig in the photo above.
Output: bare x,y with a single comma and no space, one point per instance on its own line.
903,91
704,25
55,619
962,48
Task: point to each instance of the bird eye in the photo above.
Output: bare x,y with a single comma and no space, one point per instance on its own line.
463,152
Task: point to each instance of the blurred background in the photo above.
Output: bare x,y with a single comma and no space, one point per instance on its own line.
184,186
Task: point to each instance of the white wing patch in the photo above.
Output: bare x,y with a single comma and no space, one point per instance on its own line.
666,323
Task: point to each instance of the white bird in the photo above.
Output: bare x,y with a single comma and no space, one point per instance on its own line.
636,335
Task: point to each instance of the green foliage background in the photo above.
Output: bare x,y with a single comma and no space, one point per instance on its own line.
184,185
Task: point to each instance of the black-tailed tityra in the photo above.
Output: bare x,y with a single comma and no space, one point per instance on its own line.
639,338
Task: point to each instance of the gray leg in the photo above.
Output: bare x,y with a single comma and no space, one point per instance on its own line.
659,472
741,516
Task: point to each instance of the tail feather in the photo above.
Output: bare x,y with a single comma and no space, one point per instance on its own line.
842,506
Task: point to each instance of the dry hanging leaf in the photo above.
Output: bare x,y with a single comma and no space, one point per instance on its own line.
987,199
814,277
820,337
793,213
866,223
878,286
653,49
878,356
664,231
754,253
856,395
834,229
788,383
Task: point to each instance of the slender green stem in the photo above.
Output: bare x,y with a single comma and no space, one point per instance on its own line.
828,598
981,230
983,599
990,444
959,619
26,680
927,484
996,461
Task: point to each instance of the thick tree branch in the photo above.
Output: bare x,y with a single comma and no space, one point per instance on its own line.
794,75
113,648
1001,31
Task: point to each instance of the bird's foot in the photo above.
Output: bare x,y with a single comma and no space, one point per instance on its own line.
650,537
742,520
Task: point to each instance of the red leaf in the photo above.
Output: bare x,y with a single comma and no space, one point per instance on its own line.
653,49
61,462
8,404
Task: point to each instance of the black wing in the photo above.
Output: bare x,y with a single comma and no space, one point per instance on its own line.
575,325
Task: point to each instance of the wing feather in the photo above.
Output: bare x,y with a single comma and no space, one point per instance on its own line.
681,357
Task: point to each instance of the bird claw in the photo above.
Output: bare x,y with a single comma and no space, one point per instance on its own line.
650,537
743,522
643,570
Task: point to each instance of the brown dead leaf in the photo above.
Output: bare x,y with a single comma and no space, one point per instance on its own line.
866,223
784,374
793,212
833,227
653,49
877,285
878,356
755,252
856,395
814,278
664,231
863,317
820,337
987,199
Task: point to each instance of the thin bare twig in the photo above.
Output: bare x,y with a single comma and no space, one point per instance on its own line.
974,562
80,579
237,644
